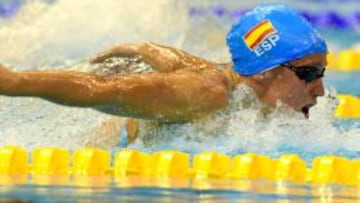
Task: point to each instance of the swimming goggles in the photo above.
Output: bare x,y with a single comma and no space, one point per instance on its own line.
306,73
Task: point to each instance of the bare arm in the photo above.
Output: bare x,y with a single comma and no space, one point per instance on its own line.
176,96
162,58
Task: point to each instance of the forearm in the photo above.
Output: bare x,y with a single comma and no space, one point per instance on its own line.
68,88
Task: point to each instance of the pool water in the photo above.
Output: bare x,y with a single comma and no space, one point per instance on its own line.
210,190
341,82
55,35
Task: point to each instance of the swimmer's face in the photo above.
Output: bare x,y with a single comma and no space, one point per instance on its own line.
298,93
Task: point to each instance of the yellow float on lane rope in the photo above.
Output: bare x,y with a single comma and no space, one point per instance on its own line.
50,161
91,162
13,161
252,166
349,106
211,165
290,167
171,164
333,170
345,60
131,162
166,165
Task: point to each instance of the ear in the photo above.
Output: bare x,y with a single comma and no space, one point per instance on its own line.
262,81
265,78
258,82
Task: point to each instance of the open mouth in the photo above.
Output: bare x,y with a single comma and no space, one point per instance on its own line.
305,110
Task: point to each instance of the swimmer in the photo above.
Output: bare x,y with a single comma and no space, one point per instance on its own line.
274,51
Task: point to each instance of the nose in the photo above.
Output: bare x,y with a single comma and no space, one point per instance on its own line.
317,88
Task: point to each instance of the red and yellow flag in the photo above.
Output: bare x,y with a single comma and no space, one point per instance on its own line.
259,33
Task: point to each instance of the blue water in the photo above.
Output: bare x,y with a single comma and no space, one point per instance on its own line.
344,82
234,191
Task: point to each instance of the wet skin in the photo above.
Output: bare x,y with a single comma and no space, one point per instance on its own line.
286,87
183,87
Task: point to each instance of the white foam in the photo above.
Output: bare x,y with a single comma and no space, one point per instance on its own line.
242,129
44,34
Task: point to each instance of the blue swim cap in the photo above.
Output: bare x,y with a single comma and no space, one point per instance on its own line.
270,35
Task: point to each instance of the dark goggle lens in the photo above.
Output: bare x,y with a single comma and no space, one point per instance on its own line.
310,73
307,73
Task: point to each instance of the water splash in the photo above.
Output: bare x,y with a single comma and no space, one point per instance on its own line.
243,127
56,34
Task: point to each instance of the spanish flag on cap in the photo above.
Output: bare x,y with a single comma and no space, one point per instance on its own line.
296,38
258,34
